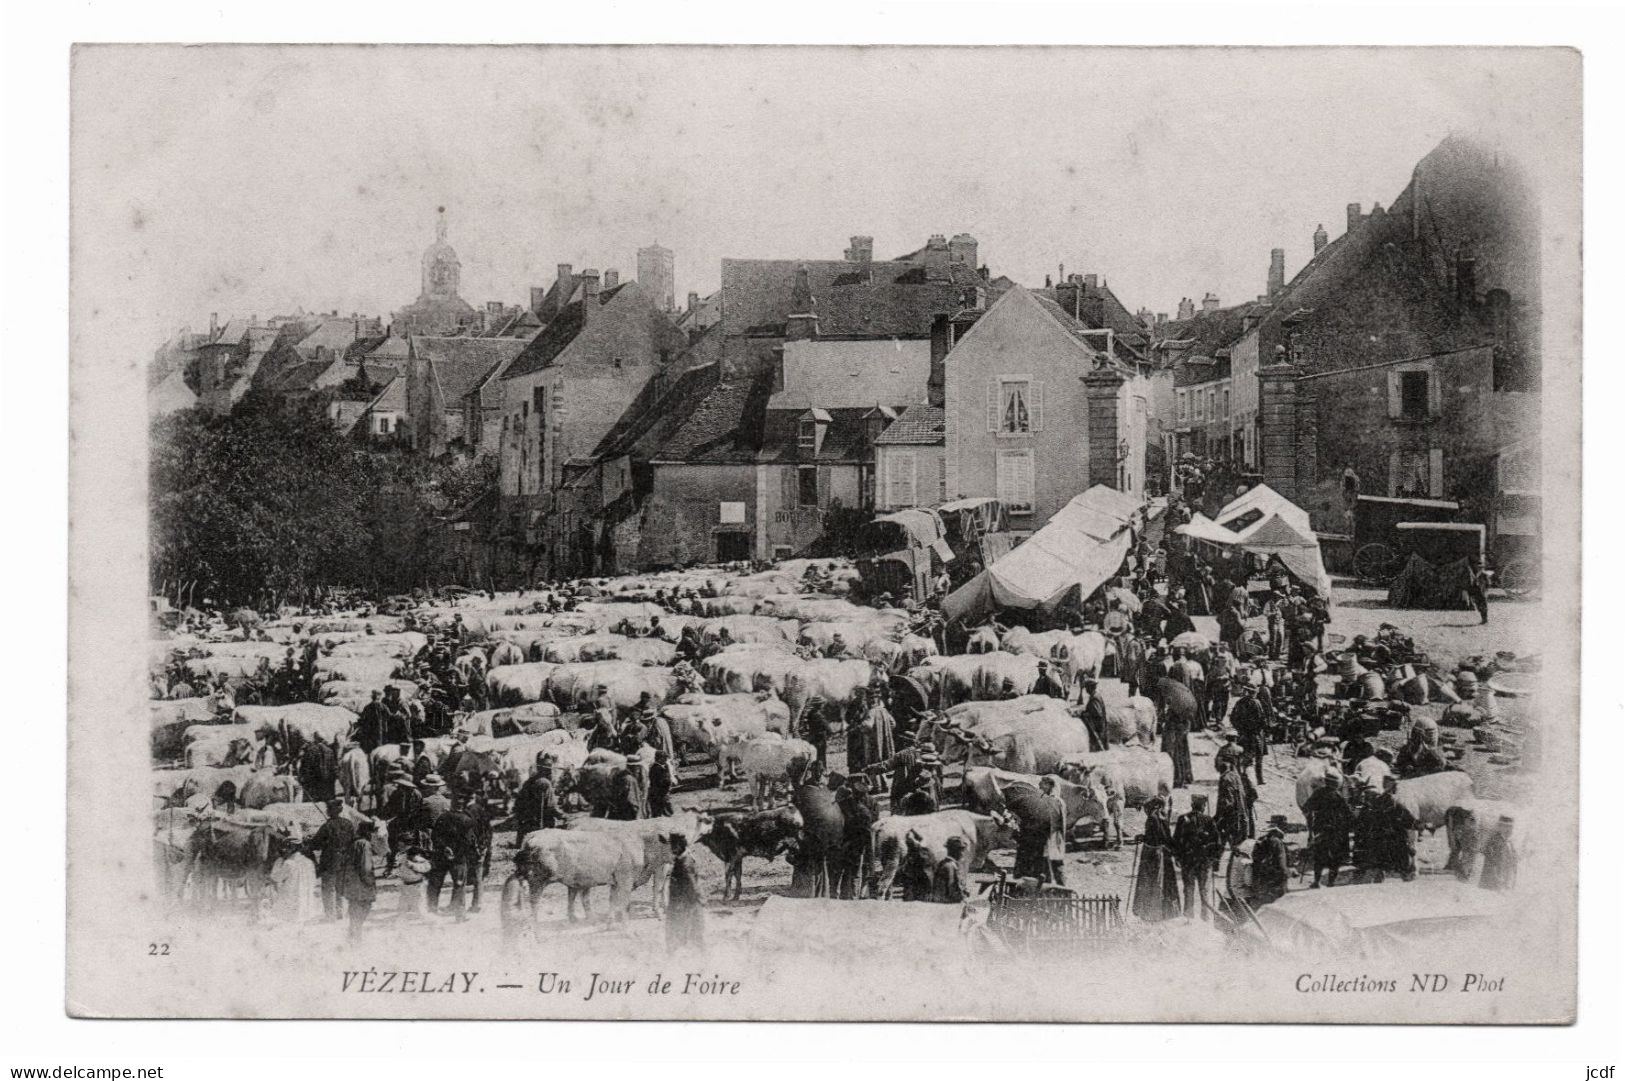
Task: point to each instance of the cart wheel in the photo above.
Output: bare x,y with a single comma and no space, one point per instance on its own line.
1374,562
1519,578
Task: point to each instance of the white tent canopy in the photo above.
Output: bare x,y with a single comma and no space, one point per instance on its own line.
1082,545
1282,530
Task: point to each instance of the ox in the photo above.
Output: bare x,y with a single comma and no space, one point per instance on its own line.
763,834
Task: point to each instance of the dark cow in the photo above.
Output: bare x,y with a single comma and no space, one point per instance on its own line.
223,851
763,834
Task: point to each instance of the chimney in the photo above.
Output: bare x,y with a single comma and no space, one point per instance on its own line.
538,294
1162,319
1277,278
936,257
1210,303
1091,282
612,278
1320,238
1354,216
589,294
862,250
1376,210
962,249
565,283
1067,295
214,325
1187,309
942,343
693,301
1467,279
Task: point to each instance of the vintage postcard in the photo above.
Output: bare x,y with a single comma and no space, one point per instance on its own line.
865,533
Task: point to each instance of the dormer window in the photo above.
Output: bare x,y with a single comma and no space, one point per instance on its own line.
812,426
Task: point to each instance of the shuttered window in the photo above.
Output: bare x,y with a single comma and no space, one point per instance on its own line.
788,488
900,479
1015,480
1015,405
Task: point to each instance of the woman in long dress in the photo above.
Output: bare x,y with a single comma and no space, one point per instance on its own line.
296,889
1156,883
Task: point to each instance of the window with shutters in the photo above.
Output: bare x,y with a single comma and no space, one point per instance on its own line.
900,479
807,486
1015,480
1413,394
1015,405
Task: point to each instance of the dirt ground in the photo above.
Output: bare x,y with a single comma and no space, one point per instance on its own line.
1090,868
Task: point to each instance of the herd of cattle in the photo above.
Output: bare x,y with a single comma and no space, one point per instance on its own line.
546,665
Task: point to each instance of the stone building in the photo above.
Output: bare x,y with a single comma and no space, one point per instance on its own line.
563,393
1408,350
657,276
1036,412
439,309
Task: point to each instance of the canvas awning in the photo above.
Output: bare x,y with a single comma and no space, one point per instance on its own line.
1082,545
1282,530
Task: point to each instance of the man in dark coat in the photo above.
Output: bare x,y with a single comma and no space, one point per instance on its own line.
1094,716
1046,684
1270,863
536,806
1252,727
1234,813
330,847
1177,712
1197,847
357,881
372,730
1153,613
454,850
947,878
660,786
860,812
397,723
685,903
1330,820
1178,622
318,771
1383,843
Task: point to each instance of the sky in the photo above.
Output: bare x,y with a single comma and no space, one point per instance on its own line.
262,179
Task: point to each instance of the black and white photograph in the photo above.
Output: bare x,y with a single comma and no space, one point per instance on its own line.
825,533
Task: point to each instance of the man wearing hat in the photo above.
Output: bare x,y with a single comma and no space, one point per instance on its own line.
1197,848
661,782
1007,690
435,800
454,850
1094,716
1046,684
1270,862
402,809
860,812
330,847
1252,726
948,878
535,807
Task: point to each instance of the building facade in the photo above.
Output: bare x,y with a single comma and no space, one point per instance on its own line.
1408,351
1035,412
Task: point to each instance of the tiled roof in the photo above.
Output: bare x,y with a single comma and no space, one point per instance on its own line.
917,426
543,349
392,399
335,334
843,440
850,299
1096,343
232,333
465,364
724,427
657,412
302,376
843,373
